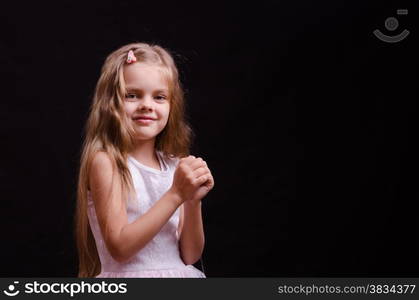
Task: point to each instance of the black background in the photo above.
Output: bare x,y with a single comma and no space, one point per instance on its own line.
307,121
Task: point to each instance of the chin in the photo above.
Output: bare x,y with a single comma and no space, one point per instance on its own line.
147,133
145,138
142,136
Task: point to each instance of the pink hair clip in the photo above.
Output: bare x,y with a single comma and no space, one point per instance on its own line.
131,57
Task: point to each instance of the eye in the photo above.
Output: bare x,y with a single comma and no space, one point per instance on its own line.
161,97
130,96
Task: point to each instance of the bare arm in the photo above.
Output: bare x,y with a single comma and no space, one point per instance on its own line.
136,235
122,239
192,238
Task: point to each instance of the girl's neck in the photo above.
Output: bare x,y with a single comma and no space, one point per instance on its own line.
145,153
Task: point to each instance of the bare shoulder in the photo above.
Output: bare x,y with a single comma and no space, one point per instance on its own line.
101,159
100,168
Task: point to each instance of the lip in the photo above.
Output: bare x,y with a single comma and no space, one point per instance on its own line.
144,120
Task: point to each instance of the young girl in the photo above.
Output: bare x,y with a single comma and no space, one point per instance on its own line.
138,202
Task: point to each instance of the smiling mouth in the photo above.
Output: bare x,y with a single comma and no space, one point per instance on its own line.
144,118
143,121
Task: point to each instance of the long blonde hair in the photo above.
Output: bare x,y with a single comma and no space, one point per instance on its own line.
107,129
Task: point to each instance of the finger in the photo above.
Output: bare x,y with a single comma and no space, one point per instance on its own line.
200,171
206,167
197,163
210,182
201,180
187,160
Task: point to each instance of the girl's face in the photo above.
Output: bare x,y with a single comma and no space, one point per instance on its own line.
146,101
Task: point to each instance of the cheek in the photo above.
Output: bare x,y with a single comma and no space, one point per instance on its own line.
129,108
165,113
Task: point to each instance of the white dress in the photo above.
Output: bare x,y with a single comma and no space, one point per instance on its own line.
160,257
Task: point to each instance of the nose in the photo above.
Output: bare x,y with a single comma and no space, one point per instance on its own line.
146,104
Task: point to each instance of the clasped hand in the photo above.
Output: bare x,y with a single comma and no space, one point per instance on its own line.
192,180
